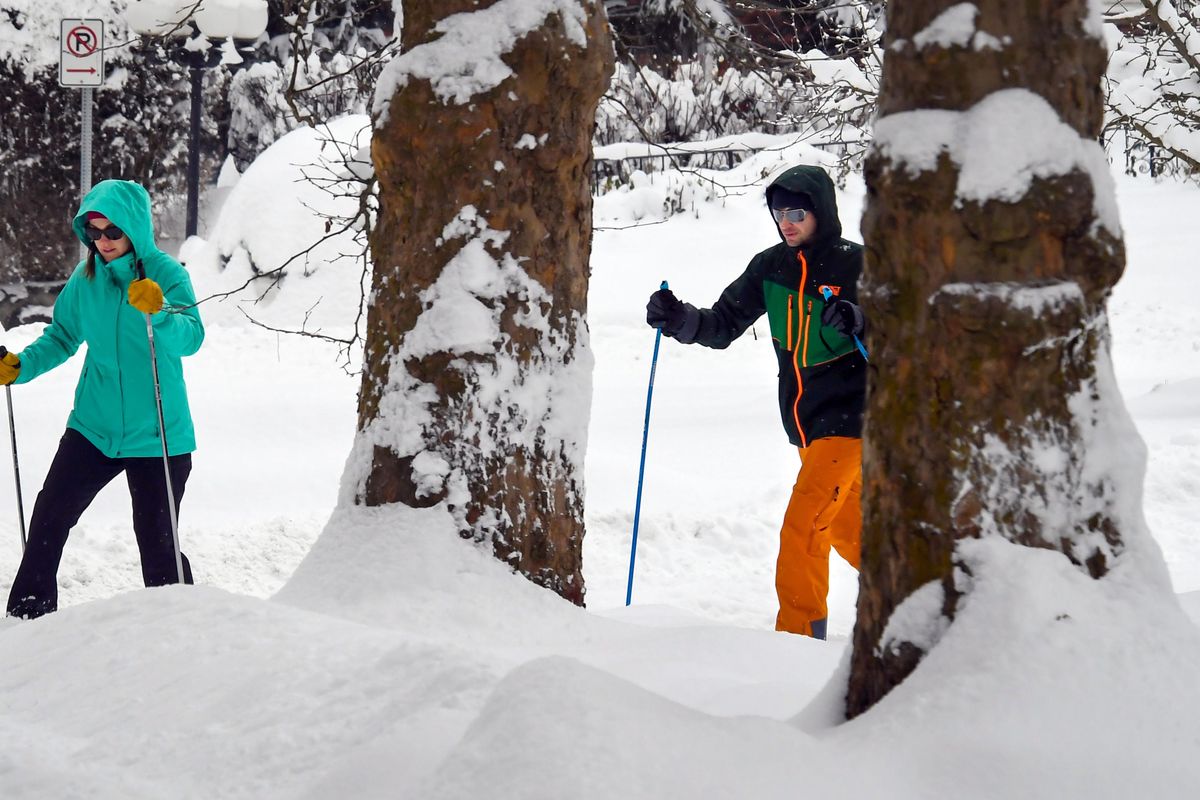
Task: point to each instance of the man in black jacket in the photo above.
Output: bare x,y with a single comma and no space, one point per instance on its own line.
807,286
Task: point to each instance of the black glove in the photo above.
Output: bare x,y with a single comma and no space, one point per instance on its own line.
668,312
844,317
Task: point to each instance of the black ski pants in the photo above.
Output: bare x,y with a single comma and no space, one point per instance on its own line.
78,473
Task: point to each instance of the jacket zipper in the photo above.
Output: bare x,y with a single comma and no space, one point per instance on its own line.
120,443
798,351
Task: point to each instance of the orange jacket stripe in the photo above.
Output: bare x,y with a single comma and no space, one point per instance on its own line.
796,351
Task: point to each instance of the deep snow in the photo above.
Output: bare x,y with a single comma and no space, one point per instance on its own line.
398,661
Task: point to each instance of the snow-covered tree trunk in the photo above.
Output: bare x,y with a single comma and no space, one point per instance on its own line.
477,375
993,243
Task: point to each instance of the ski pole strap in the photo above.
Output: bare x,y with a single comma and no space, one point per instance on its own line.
827,294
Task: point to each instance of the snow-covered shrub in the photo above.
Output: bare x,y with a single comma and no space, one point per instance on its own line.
289,244
1152,88
321,62
325,85
695,101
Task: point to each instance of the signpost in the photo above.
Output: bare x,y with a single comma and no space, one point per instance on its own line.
81,66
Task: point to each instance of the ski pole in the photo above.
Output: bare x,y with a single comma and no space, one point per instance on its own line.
12,433
162,430
637,508
826,293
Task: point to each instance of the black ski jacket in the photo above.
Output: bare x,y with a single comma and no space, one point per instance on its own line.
822,376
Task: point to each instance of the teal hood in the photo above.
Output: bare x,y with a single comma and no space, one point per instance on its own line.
125,204
115,406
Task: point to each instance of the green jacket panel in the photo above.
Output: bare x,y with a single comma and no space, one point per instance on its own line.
115,404
795,321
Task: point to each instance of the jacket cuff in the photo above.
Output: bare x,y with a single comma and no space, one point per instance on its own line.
691,325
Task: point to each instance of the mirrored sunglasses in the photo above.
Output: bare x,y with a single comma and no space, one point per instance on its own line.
792,215
112,233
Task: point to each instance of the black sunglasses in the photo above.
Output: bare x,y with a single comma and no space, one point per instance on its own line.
112,233
792,215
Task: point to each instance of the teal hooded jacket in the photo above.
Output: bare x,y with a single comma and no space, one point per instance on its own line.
114,401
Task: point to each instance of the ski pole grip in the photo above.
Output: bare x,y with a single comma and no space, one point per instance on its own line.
140,268
664,285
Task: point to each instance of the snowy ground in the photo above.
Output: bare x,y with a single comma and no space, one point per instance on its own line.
399,662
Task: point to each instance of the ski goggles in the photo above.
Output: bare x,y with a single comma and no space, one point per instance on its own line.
792,215
112,233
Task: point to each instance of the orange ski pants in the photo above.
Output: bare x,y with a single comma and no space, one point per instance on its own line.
824,511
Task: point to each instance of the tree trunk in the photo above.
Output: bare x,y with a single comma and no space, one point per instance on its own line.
477,374
986,296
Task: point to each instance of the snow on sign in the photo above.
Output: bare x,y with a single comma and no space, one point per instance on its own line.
81,53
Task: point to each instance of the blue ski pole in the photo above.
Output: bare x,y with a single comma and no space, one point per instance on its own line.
857,342
637,508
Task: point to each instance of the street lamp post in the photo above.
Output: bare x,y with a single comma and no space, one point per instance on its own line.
198,26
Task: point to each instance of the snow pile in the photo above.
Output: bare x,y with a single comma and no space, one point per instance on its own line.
954,27
465,60
996,160
287,247
402,663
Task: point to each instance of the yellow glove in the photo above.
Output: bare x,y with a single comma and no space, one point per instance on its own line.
146,296
10,367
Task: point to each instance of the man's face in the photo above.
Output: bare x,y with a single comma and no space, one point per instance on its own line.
796,233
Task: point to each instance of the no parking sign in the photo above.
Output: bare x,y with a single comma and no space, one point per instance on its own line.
81,53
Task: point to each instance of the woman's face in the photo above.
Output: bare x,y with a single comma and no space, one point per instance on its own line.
99,230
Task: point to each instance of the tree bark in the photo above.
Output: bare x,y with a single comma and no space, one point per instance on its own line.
989,331
477,368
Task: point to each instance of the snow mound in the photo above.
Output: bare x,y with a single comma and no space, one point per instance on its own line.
196,693
620,741
1041,669
408,568
285,240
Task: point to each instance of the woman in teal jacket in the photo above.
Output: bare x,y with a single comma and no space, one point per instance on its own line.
113,427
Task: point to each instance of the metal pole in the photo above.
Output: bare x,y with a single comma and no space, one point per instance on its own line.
166,457
85,152
162,429
637,508
193,175
12,432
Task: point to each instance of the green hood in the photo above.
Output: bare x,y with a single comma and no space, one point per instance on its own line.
816,183
125,204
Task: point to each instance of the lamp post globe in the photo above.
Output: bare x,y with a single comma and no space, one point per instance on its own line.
195,26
